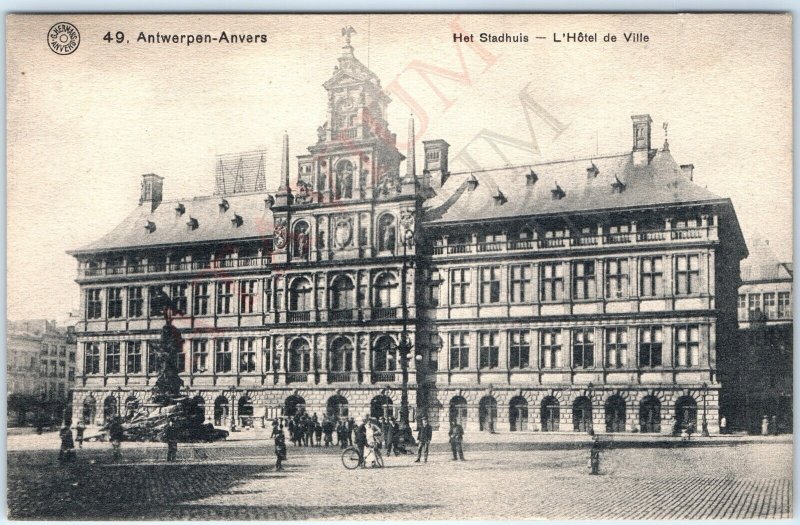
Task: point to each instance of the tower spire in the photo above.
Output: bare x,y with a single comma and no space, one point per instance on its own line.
411,167
285,162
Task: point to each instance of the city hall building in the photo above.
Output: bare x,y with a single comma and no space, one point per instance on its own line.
598,293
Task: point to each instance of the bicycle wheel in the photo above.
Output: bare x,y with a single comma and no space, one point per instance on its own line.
378,458
350,458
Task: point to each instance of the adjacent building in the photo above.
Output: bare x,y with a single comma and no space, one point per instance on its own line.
40,367
596,293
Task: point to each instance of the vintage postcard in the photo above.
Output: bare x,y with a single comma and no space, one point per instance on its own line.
399,267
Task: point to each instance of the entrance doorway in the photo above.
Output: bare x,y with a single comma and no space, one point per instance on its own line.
381,406
294,406
615,414
518,414
582,414
686,413
221,411
650,415
337,407
487,414
550,414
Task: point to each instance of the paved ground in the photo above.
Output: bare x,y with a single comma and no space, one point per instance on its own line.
519,477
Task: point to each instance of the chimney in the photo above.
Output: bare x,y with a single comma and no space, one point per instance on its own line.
436,162
641,139
688,171
152,188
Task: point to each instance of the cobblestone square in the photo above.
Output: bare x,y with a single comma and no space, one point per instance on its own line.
525,479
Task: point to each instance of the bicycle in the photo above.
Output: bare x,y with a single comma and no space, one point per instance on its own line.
351,459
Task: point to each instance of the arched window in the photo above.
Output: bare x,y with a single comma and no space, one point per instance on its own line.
89,410
381,406
518,414
686,413
458,411
245,411
300,240
221,411
337,406
342,293
109,408
487,414
550,414
196,410
344,180
615,414
386,291
385,355
295,405
300,356
300,295
582,414
387,233
131,406
650,415
341,356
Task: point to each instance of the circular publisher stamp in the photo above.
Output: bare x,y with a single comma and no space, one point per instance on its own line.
63,38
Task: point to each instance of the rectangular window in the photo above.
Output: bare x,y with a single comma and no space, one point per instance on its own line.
784,305
222,358
650,340
520,278
267,295
182,358
62,370
769,305
199,355
201,296
459,286
434,344
742,307
754,305
135,302
247,354
433,293
114,303
459,350
155,306
113,357
490,284
652,276
45,349
247,297
267,355
178,294
134,357
617,278
551,349
687,345
519,349
489,350
552,288
94,305
224,297
71,375
583,281
53,370
152,357
62,351
617,347
91,358
583,348
72,357
687,274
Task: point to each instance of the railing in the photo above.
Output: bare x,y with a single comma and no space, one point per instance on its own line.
298,317
651,236
384,313
553,242
384,377
295,377
175,266
492,246
344,134
459,248
522,244
341,377
618,238
585,240
689,233
341,315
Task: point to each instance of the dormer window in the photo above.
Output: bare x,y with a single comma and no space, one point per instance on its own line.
531,178
180,209
223,206
617,186
192,224
592,171
499,198
557,193
150,226
472,182
237,220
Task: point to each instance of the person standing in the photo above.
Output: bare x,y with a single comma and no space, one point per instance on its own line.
424,437
397,436
723,424
116,434
67,450
280,451
327,429
594,457
388,436
351,427
171,437
456,439
318,432
361,442
79,429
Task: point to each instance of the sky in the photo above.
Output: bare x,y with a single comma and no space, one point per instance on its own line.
84,127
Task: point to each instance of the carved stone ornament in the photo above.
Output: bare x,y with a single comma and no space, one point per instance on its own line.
343,231
407,221
280,233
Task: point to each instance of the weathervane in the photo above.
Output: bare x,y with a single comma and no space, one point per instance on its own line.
665,125
346,32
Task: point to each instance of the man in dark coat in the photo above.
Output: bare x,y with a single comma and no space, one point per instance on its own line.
327,429
171,437
424,437
361,441
318,433
388,436
116,435
456,439
67,450
280,450
342,433
351,427
79,429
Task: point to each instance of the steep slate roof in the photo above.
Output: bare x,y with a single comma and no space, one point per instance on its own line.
171,228
763,265
659,183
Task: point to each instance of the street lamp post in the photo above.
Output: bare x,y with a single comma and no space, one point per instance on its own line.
405,344
705,423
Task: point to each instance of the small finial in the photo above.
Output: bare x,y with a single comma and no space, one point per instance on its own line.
346,32
665,125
